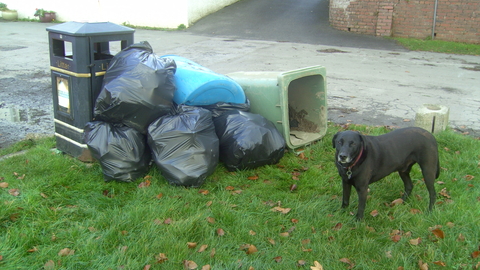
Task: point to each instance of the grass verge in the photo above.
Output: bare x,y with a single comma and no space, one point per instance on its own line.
439,46
57,213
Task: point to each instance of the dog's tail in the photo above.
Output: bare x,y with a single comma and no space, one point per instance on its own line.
438,169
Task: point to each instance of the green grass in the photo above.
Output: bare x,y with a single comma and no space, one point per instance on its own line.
64,203
439,46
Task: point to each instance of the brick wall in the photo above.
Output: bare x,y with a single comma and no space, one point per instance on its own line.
456,20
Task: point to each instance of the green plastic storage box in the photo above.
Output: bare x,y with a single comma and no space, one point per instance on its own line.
295,101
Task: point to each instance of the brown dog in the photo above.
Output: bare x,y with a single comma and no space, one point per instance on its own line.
362,160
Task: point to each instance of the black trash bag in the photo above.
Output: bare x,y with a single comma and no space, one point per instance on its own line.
248,140
122,151
184,145
219,108
137,89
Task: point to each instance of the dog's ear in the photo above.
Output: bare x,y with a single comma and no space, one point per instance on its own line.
334,139
362,139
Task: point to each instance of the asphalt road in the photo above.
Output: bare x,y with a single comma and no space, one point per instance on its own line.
299,21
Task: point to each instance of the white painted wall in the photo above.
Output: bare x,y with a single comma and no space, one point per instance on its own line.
156,13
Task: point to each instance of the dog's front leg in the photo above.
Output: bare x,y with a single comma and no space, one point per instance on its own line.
362,192
347,188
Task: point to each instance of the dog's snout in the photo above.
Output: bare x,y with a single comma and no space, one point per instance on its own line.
343,158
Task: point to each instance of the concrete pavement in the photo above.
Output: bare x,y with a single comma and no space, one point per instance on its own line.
364,86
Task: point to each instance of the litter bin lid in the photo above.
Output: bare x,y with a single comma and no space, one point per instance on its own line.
89,29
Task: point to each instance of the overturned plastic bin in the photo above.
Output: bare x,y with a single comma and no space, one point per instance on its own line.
295,101
199,86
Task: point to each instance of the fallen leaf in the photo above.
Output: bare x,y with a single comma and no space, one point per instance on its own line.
254,177
50,265
159,196
396,202
374,213
337,226
469,177
203,191
415,241
251,232
1,257
284,234
293,187
167,221
230,188
206,267
461,238
14,192
317,266
43,195
220,232
396,238
191,245
66,252
278,259
144,184
438,233
347,261
147,267
202,248
212,253
189,264
450,224
209,203
19,177
388,254
161,258
440,263
415,211
281,209
211,220
13,217
475,254
34,249
123,249
271,241
251,249
293,220
301,263
3,184
422,265
444,193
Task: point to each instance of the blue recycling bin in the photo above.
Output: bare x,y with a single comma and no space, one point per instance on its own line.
199,86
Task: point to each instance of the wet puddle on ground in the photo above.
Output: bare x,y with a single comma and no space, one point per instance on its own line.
16,115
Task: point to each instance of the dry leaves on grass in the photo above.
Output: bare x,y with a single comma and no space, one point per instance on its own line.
161,258
189,264
249,249
14,192
3,184
317,266
281,209
144,184
415,242
438,233
66,252
220,232
347,261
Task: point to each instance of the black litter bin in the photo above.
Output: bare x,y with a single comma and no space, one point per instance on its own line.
79,56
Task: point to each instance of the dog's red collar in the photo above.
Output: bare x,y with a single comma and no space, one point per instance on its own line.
349,168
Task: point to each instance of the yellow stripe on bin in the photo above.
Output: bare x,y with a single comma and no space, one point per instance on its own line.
71,73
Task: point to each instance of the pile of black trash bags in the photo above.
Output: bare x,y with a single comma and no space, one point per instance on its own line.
137,122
